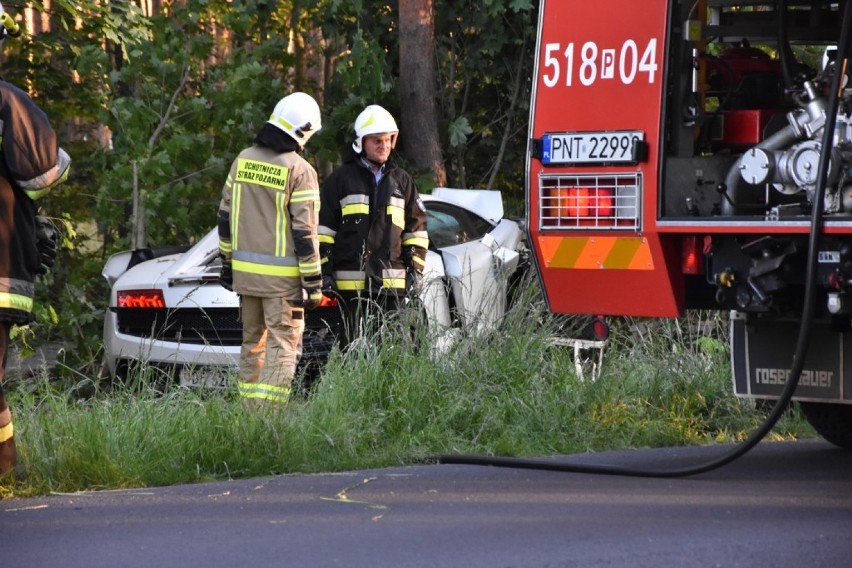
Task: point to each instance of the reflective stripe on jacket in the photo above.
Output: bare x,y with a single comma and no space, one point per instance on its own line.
31,165
272,203
369,233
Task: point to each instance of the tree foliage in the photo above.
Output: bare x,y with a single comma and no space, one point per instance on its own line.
486,54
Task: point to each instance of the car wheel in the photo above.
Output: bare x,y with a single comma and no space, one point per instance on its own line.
831,421
308,373
135,375
106,380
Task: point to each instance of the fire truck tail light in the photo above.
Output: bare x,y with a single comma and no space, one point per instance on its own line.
692,255
584,202
140,299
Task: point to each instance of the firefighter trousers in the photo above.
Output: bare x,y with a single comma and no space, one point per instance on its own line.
271,348
8,452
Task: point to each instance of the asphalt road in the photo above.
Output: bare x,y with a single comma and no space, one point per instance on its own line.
781,505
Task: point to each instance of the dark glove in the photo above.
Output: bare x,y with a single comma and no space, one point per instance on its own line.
313,297
413,281
328,284
226,276
46,239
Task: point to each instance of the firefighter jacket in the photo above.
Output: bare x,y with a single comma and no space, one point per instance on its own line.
268,221
370,233
31,165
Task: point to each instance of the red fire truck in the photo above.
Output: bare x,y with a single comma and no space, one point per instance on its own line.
675,163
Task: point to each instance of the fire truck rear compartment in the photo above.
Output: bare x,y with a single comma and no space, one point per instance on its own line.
732,212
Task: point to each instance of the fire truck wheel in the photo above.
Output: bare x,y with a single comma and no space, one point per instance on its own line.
831,421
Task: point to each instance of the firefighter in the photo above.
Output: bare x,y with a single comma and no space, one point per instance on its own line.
267,225
372,230
31,165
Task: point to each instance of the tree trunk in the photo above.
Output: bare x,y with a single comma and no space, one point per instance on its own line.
138,237
419,130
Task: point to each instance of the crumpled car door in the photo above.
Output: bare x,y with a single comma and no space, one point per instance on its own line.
478,273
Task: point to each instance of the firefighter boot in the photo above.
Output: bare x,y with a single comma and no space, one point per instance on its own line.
8,452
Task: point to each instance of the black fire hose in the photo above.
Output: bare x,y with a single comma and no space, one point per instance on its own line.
801,345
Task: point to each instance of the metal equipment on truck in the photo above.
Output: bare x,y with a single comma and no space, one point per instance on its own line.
695,154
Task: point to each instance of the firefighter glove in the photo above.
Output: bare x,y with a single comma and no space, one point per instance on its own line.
413,281
46,239
328,284
313,297
226,276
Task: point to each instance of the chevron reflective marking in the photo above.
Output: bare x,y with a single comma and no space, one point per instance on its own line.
596,253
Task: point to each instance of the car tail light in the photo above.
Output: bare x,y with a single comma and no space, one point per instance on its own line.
140,299
589,202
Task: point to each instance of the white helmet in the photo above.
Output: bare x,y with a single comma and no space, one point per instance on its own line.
374,120
298,115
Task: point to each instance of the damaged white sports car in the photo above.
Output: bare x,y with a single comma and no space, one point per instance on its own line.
168,314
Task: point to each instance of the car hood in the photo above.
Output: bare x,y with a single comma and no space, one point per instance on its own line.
487,203
200,263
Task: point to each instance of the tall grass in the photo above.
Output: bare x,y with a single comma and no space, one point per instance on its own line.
392,401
